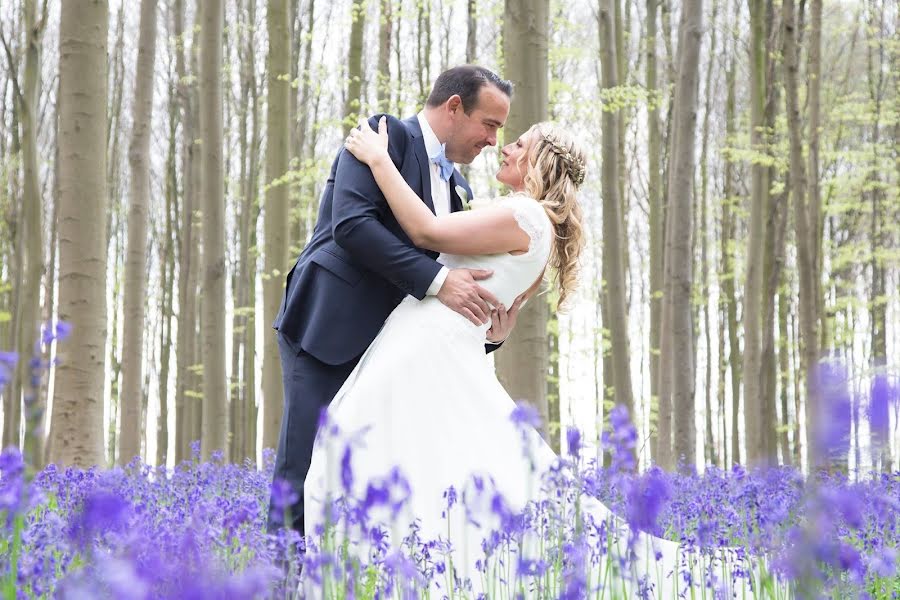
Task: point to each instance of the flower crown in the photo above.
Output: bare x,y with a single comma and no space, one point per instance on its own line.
575,164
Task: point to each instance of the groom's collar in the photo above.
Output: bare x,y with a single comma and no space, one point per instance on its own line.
432,145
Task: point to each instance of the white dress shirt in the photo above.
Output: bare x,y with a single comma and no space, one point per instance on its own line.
440,191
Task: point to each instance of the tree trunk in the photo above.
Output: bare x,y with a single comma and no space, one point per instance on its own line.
728,275
655,200
78,398
784,367
114,232
40,452
276,212
136,252
678,244
423,49
775,242
878,238
806,245
215,385
384,57
28,97
522,362
554,418
186,294
471,31
252,210
754,265
167,275
773,259
301,141
710,454
353,100
613,238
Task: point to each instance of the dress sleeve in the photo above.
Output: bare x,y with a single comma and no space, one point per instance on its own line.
533,220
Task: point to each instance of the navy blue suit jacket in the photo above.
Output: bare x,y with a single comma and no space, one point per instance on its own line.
360,264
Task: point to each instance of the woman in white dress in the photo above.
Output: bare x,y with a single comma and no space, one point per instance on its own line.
424,398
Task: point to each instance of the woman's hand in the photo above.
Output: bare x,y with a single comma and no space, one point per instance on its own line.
366,144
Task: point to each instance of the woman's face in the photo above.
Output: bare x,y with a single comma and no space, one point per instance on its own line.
514,162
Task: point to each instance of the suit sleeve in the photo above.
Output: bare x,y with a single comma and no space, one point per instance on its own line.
357,210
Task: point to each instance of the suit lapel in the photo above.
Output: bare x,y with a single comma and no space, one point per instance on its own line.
455,200
422,158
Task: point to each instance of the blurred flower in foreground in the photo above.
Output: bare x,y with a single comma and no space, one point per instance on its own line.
834,412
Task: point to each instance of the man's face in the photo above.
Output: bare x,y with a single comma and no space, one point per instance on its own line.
470,133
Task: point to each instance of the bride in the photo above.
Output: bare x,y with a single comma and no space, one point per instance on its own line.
425,400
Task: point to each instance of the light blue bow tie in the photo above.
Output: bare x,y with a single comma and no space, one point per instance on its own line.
445,165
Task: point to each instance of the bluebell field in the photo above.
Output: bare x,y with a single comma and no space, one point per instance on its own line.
199,531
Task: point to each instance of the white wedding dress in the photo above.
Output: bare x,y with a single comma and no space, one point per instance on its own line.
424,398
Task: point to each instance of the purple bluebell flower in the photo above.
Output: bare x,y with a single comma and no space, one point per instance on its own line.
647,496
525,414
9,359
884,562
835,411
573,442
881,398
283,495
8,362
103,511
59,331
450,498
347,469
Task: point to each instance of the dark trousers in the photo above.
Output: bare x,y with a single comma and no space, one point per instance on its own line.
309,386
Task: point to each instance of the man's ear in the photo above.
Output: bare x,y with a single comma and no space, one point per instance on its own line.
454,103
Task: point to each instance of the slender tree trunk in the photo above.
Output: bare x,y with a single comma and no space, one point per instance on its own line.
114,232
784,367
167,283
353,100
878,236
302,141
471,31
775,243
711,456
613,238
398,61
754,269
136,252
195,362
773,259
657,218
554,419
215,385
28,97
78,398
40,453
678,244
728,275
664,454
423,49
806,250
252,210
384,56
12,402
6,251
522,361
186,257
276,211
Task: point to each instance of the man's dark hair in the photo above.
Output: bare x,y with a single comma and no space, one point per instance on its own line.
466,81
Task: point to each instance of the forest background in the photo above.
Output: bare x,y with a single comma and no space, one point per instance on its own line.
161,163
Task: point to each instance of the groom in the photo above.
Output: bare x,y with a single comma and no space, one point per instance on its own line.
360,264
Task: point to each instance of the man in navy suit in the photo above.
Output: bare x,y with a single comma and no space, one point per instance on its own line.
360,264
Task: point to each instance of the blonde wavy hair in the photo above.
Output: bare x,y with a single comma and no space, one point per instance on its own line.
555,170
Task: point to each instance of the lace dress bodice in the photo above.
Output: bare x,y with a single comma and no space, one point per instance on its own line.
513,273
